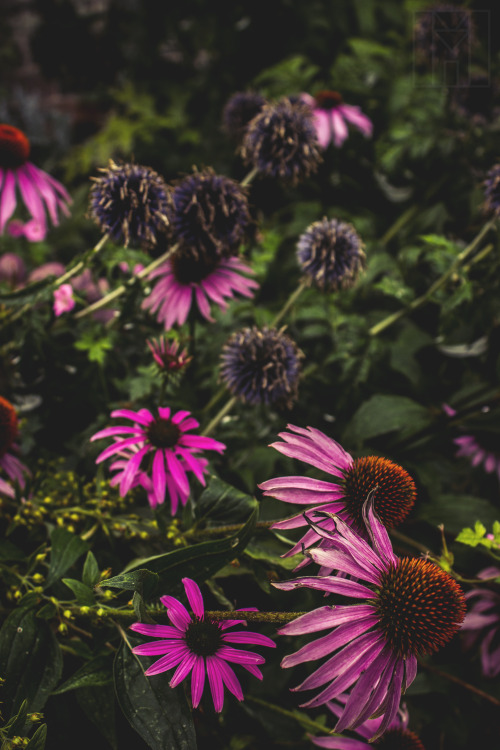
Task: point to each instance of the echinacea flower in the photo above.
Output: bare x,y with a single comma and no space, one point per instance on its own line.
209,214
239,110
170,448
396,737
130,202
408,607
331,116
492,191
12,466
63,299
167,356
262,366
40,192
184,275
281,141
330,254
394,495
470,446
482,622
199,646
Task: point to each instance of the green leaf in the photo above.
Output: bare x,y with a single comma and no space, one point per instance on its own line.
30,661
83,594
98,704
158,713
16,723
199,561
143,581
222,503
37,742
477,535
66,549
96,348
95,672
90,570
382,414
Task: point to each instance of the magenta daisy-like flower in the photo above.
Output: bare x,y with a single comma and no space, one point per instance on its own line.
356,478
12,466
407,607
40,192
207,279
331,116
396,737
170,447
201,647
482,622
167,356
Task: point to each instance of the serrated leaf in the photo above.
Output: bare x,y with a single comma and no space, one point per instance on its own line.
157,712
30,661
90,570
83,594
382,414
143,581
66,549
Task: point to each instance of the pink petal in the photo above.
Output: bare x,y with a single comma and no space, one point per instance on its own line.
194,596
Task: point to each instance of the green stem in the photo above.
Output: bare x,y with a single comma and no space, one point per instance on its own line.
250,176
129,615
399,224
386,322
104,301
225,530
315,726
82,264
220,415
289,303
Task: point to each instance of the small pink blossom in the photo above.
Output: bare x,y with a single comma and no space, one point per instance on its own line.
63,299
331,116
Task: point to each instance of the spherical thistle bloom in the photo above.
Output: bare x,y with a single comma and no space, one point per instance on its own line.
396,737
281,141
331,116
492,191
482,623
330,254
185,275
130,202
170,448
408,607
200,646
209,214
63,300
167,356
394,489
239,110
41,193
12,270
12,466
262,366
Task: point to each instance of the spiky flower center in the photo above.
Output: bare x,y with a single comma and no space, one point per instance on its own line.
189,267
8,425
14,147
420,607
395,490
327,99
399,739
203,637
331,253
163,433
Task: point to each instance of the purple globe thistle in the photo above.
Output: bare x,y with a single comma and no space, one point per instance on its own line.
41,193
262,366
12,466
407,607
130,202
396,737
184,276
331,116
330,253
395,490
170,448
12,270
492,191
200,647
167,356
240,108
281,141
482,622
209,214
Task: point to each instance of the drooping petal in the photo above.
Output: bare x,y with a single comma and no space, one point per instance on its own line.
194,596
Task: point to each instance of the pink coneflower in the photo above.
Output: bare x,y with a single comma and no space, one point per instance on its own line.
331,116
199,646
172,451
8,462
207,279
63,300
397,736
482,622
40,192
167,356
469,447
408,607
395,489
